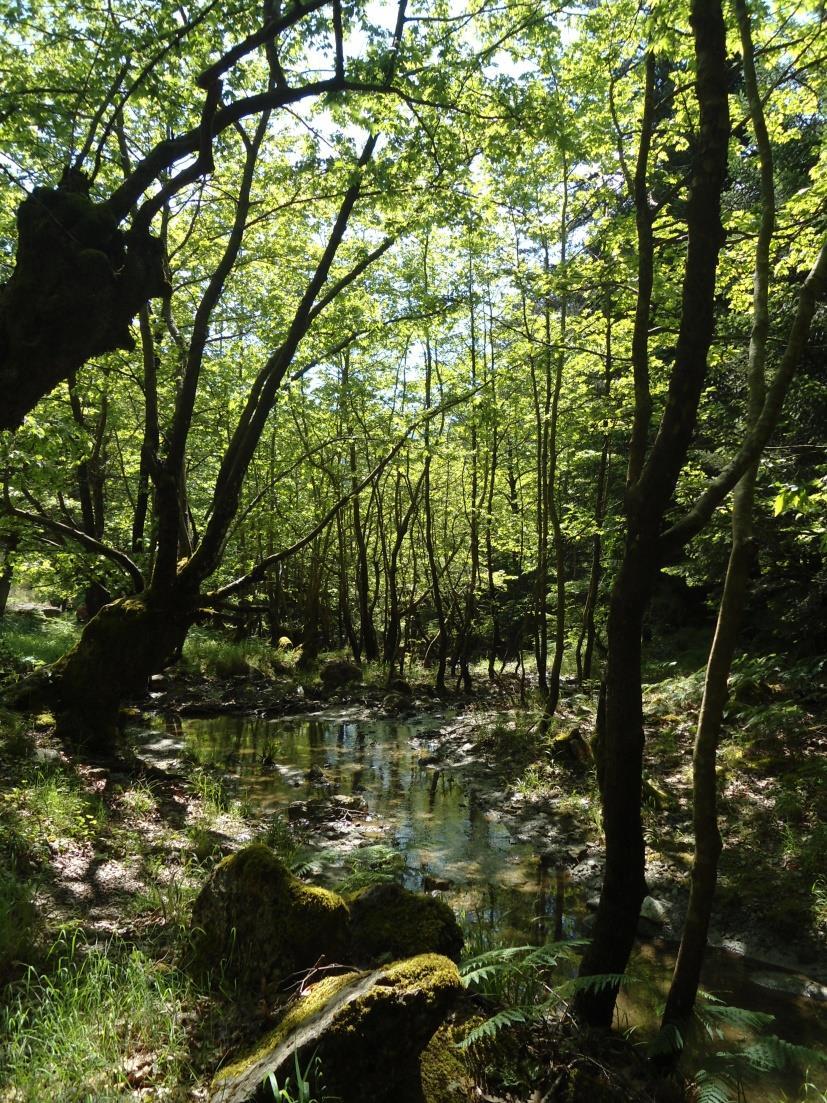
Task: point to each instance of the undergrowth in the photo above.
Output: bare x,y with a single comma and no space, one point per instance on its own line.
28,640
99,1022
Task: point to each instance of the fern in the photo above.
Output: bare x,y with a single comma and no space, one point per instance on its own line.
519,978
772,1052
712,1088
596,983
509,1016
715,1016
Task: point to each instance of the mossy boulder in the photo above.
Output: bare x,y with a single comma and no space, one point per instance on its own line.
389,921
444,1068
258,923
397,684
397,704
571,746
338,673
368,1030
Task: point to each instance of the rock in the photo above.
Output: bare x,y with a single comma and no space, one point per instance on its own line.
390,921
258,923
396,704
368,1030
339,672
570,745
436,884
791,984
655,795
444,1069
285,643
397,684
326,809
316,775
654,911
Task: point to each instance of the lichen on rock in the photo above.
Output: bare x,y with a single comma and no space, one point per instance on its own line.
389,921
258,923
349,1021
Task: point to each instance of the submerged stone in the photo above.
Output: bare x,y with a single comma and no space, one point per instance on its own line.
259,923
390,921
368,1030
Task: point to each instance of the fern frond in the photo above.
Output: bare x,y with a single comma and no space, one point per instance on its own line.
596,983
714,1017
509,1016
711,1088
495,957
667,1041
771,1053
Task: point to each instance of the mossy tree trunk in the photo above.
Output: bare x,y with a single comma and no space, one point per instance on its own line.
120,648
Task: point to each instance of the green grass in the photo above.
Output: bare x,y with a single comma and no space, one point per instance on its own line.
214,654
28,641
17,921
46,807
99,1023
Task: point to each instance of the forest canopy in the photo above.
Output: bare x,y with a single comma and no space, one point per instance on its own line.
459,339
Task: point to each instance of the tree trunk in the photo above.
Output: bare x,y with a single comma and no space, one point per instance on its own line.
120,648
439,607
708,843
619,754
648,496
585,640
77,284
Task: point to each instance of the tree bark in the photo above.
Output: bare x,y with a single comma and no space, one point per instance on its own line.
708,843
620,746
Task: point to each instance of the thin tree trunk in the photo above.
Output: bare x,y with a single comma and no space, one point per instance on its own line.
585,640
553,457
620,748
708,843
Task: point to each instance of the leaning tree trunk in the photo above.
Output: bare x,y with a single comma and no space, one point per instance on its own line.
708,843
119,649
77,284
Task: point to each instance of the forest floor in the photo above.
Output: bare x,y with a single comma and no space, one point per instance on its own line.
101,860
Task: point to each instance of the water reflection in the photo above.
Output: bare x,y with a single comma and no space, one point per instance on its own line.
449,840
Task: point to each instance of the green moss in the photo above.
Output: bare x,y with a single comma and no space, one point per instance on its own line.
445,1072
388,921
301,1012
120,648
349,1020
257,923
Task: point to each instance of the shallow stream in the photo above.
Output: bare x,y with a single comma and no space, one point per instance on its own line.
449,842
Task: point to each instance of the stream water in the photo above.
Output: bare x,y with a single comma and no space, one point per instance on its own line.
449,842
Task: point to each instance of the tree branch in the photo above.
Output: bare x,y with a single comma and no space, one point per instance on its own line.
88,542
675,537
260,570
